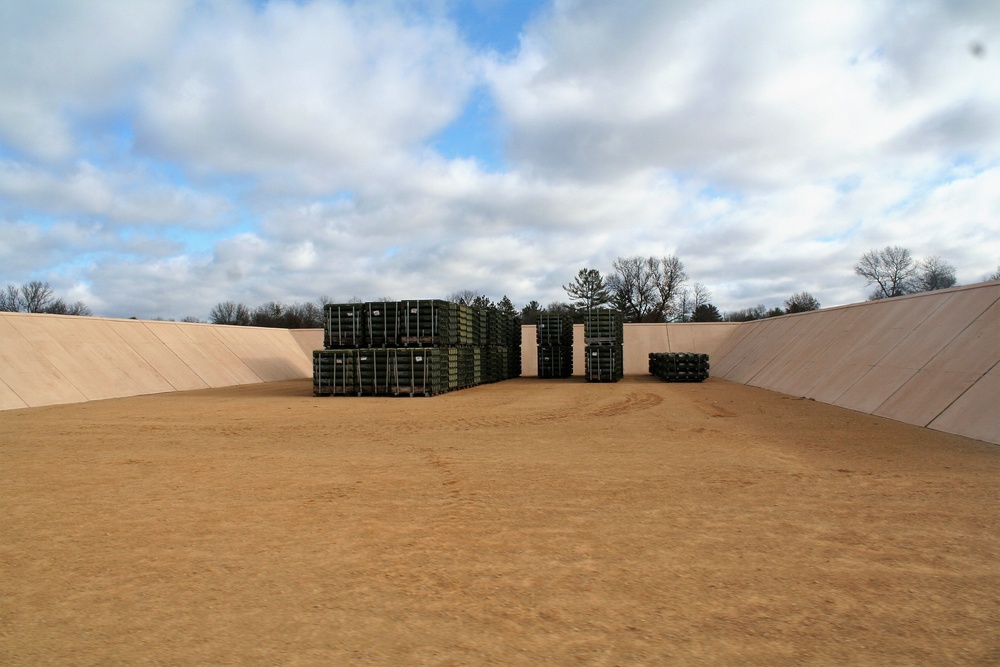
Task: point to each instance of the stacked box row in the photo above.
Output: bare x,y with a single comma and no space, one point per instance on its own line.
495,329
554,329
406,371
382,371
413,323
679,366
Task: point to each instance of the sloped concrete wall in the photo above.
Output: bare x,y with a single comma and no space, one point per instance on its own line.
51,359
930,359
308,340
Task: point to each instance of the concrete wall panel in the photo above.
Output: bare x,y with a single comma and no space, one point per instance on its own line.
27,374
171,369
270,358
874,387
836,381
728,354
974,414
976,348
786,375
762,346
203,352
8,399
308,340
95,359
929,337
788,334
926,395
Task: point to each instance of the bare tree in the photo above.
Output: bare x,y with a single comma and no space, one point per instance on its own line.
633,288
758,312
669,285
37,297
312,316
560,308
60,307
464,297
691,300
933,273
801,302
995,275
229,312
10,299
890,269
270,314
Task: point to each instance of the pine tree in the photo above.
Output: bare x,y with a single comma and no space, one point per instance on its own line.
588,290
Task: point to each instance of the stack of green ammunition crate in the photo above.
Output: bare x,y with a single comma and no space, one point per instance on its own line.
554,336
604,333
413,348
679,366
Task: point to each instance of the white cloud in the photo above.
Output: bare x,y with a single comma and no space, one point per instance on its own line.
124,196
229,150
64,60
293,88
743,93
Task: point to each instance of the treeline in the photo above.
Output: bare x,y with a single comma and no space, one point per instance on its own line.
655,289
38,297
310,315
644,289
270,314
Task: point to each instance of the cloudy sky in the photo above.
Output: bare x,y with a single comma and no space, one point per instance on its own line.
157,158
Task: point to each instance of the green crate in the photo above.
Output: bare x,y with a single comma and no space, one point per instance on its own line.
604,363
555,361
343,325
335,373
603,326
381,323
554,329
679,366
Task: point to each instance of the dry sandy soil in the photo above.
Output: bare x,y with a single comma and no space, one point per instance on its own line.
529,522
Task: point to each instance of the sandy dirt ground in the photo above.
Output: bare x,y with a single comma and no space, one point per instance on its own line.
529,522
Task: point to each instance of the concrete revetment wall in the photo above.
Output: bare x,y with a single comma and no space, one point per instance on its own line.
930,359
51,359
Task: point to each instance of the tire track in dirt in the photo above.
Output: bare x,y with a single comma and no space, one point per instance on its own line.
460,500
515,414
633,402
714,409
